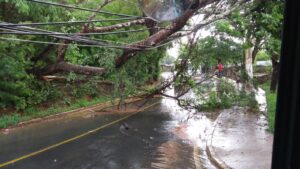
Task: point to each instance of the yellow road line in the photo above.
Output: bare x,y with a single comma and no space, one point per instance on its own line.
72,139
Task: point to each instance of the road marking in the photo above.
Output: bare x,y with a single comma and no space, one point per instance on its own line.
73,138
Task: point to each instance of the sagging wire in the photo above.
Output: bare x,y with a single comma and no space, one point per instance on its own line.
66,23
76,38
98,46
22,30
73,34
64,44
85,9
73,38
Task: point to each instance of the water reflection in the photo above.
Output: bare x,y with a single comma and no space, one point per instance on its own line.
190,126
164,10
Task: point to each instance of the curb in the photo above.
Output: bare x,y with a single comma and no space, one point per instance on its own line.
64,114
210,150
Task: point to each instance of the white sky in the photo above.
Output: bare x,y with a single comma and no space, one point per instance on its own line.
174,51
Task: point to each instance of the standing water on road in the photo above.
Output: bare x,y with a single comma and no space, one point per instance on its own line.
164,136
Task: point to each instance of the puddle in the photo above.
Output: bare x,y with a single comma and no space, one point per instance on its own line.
192,127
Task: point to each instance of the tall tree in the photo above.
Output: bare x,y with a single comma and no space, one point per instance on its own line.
272,22
125,43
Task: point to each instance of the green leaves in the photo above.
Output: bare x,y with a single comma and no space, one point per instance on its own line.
211,48
13,83
226,27
22,5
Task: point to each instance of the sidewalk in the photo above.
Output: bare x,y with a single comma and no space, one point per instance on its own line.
239,140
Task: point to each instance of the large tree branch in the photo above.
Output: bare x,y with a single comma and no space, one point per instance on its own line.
61,51
117,26
152,26
160,36
68,67
87,70
91,17
209,20
154,39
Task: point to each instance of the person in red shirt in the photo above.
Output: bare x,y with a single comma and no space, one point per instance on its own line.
220,68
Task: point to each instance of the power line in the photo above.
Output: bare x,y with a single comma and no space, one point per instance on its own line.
98,43
71,38
83,9
82,45
72,34
63,44
75,38
66,23
42,42
51,34
79,39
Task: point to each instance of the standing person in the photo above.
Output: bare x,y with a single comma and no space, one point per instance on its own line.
220,68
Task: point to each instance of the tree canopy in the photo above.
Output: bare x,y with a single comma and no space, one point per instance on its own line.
103,40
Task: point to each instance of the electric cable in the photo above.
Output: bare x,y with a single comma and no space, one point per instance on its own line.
75,37
72,34
84,9
64,44
66,23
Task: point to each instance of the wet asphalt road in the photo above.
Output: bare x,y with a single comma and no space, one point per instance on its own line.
148,142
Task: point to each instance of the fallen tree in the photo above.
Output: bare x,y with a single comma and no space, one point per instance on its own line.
212,9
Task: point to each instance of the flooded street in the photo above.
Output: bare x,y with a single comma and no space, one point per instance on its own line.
161,137
156,134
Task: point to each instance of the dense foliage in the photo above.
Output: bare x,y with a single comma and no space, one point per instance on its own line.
20,84
25,64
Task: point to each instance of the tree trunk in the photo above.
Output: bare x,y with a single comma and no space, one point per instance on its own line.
67,67
248,62
153,40
275,72
254,53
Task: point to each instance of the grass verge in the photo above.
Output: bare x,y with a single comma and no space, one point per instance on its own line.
271,105
36,112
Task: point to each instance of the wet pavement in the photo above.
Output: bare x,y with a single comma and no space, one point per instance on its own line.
241,141
162,137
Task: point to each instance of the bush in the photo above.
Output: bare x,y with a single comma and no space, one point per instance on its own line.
86,89
14,86
262,56
8,120
225,97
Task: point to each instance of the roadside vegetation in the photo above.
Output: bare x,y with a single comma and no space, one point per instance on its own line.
62,73
14,118
223,96
271,104
28,86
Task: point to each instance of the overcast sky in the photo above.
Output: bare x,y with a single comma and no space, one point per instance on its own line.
174,51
